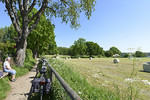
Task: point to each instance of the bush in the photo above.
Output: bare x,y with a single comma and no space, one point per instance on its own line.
29,61
7,49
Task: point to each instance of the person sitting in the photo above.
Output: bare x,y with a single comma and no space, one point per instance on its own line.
8,69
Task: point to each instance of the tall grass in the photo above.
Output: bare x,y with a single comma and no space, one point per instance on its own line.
4,87
79,84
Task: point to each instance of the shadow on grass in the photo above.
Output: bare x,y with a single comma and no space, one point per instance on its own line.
143,71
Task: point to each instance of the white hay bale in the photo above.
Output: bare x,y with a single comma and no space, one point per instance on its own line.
66,58
57,57
146,67
138,59
116,61
90,58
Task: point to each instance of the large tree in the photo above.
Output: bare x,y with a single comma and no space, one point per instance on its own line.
94,49
63,50
80,46
115,50
67,10
139,54
42,37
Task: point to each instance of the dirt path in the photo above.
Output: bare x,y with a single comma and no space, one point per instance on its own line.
21,87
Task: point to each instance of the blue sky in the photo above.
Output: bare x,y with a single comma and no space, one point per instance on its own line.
120,23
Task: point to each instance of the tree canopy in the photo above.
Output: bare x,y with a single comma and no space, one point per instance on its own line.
139,54
42,38
115,50
67,10
80,46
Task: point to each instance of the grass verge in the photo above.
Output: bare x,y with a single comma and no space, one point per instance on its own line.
4,83
79,84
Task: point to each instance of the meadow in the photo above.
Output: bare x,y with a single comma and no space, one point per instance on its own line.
126,79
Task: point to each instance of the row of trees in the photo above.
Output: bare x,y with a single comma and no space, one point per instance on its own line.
24,21
41,40
81,47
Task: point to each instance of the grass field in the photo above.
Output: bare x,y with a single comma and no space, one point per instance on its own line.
126,78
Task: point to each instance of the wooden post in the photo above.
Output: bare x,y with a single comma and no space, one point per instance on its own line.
51,75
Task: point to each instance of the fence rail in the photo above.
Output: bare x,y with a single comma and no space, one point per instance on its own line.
67,88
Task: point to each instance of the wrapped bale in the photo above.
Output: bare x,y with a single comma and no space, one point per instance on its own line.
146,67
116,61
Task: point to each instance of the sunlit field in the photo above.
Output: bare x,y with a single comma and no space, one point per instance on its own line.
127,77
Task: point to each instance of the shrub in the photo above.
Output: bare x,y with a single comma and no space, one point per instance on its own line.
29,61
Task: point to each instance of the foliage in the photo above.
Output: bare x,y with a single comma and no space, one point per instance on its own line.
93,49
80,46
68,11
42,38
126,55
115,50
52,48
90,48
9,34
7,49
29,61
72,51
139,54
63,50
2,32
109,53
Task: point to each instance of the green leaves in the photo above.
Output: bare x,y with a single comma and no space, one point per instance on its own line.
69,10
115,50
42,37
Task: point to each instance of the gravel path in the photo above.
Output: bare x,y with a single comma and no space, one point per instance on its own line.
21,87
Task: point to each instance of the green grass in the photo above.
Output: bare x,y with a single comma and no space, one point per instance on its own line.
79,84
4,83
4,87
102,72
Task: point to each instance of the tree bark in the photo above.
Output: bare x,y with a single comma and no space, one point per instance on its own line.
22,43
21,50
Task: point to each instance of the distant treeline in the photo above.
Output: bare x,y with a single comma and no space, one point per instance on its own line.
43,42
83,48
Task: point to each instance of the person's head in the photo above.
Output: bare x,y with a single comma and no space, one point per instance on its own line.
8,59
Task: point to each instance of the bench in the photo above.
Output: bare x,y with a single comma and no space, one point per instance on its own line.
3,74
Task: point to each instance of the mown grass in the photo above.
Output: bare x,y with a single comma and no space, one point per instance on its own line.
102,72
79,84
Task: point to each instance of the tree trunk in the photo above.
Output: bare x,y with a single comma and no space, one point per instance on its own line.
21,50
21,44
35,54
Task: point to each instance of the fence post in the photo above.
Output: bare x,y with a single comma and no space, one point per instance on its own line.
51,75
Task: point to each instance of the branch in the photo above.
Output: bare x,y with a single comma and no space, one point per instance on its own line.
20,5
37,15
24,4
54,11
44,5
31,7
16,17
34,24
12,17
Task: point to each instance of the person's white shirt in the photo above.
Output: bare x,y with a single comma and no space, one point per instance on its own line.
7,65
